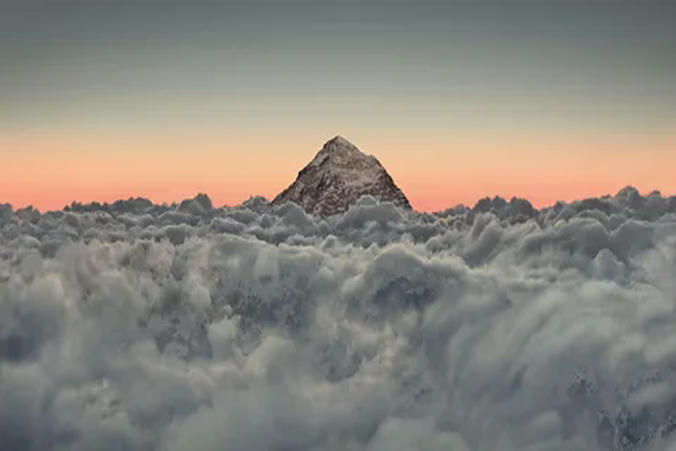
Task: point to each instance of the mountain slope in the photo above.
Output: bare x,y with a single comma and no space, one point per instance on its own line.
337,176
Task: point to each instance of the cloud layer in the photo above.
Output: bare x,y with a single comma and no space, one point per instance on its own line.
140,326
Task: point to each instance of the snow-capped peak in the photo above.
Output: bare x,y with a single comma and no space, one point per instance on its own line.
338,176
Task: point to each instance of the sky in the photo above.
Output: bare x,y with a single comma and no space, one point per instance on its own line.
547,100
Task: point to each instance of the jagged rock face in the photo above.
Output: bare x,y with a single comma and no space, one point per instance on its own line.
337,177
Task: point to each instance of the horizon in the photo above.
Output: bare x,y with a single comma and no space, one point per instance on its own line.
169,202
184,193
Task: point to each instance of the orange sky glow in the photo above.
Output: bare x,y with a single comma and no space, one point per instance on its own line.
49,170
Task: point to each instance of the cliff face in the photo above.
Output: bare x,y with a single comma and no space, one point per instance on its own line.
337,177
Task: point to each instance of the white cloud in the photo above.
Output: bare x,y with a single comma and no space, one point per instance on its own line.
136,326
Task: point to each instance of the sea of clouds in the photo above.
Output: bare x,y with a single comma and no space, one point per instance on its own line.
133,326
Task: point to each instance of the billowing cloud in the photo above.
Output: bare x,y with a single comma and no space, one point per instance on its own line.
141,326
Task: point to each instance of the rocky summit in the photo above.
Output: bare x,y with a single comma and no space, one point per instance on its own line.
337,177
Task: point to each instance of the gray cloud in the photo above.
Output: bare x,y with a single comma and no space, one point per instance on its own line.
140,326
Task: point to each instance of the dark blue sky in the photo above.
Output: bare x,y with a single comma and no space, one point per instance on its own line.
611,62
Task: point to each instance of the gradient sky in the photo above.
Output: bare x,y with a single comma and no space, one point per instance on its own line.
545,99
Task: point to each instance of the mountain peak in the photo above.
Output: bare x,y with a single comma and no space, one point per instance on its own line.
338,145
337,177
338,142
